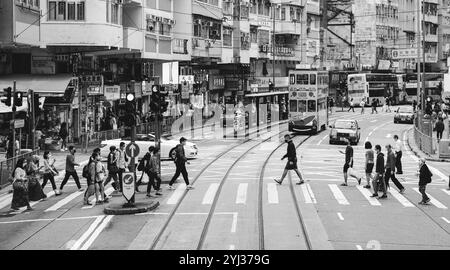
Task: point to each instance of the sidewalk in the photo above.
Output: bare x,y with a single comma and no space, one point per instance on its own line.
419,153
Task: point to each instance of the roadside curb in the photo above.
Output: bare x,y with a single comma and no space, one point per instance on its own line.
140,207
420,154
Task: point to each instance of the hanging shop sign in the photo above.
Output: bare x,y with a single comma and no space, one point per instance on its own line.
279,50
93,84
216,82
112,92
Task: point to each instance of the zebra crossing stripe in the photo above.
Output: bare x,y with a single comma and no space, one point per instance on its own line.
338,195
446,191
400,198
177,194
272,193
210,193
436,203
6,200
241,196
308,194
366,193
64,201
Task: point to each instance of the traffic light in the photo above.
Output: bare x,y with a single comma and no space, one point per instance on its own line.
155,99
271,88
130,109
8,95
37,104
18,99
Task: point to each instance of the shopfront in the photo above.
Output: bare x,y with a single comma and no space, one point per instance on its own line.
91,104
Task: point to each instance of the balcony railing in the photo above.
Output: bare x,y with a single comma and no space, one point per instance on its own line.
180,46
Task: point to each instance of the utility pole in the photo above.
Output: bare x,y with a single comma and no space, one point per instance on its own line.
419,46
33,124
273,47
423,53
13,103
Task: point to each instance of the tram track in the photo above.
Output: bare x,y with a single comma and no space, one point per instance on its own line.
213,206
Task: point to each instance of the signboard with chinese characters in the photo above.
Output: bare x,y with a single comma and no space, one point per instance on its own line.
93,84
279,50
112,92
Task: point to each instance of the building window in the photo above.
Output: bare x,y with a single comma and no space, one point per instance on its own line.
227,37
51,10
115,13
71,11
283,14
253,34
61,10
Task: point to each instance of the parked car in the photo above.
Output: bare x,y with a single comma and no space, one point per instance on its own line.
345,129
404,114
144,141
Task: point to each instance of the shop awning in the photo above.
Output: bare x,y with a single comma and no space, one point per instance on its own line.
267,94
45,85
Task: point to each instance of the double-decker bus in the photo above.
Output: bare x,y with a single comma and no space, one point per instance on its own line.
432,81
369,86
308,93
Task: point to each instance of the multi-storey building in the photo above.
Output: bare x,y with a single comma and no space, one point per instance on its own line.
444,34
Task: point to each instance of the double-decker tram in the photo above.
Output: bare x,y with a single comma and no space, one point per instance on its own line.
370,86
308,93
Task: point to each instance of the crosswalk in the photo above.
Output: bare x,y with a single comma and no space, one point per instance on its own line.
342,196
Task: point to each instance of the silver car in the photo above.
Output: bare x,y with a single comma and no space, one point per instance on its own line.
343,130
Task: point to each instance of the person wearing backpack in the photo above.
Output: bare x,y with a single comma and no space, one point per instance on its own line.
180,163
90,190
424,179
143,167
112,168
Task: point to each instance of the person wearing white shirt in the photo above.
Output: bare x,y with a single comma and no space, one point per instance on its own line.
122,161
398,147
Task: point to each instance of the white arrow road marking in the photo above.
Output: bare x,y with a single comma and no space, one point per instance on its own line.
436,203
366,193
400,198
96,233
177,194
338,194
64,201
87,233
241,196
272,193
210,193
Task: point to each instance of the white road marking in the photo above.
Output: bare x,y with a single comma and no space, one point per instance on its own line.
177,194
373,121
232,247
241,196
272,193
96,233
437,172
64,201
210,193
446,191
46,219
108,192
322,140
308,194
6,200
400,198
49,195
340,216
436,203
234,223
338,195
359,247
388,135
87,233
446,220
366,193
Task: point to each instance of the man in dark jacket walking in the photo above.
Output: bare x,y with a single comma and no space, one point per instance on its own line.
390,169
439,128
180,163
70,169
292,161
424,179
378,181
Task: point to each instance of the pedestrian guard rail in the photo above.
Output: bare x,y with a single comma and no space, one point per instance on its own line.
7,166
423,141
444,149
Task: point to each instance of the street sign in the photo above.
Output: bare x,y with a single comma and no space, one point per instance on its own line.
404,53
19,123
128,185
132,150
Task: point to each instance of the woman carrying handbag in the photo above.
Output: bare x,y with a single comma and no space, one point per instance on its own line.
35,192
49,172
20,187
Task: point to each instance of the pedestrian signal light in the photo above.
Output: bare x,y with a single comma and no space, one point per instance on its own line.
8,94
18,99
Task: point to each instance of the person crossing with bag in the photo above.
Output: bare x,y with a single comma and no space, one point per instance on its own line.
291,155
98,174
390,170
180,163
378,181
49,172
20,187
349,164
112,168
424,179
369,163
90,190
153,172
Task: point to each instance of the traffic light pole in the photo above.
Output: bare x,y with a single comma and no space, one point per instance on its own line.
33,124
13,103
133,162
